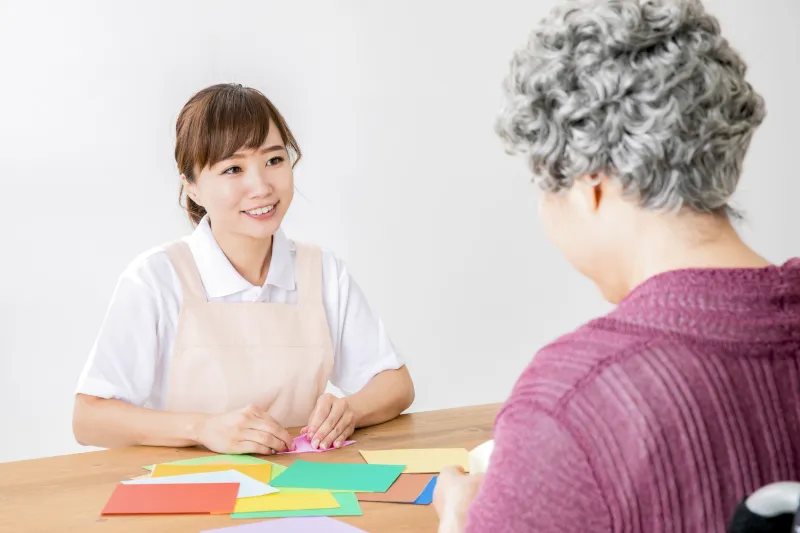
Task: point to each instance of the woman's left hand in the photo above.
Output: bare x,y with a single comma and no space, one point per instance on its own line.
331,422
452,496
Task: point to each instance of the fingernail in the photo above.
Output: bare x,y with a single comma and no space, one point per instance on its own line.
337,444
315,444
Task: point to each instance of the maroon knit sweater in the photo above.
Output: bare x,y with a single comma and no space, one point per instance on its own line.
659,417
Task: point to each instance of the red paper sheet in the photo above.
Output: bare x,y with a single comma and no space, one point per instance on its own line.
198,498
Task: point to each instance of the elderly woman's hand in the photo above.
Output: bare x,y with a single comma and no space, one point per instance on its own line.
454,492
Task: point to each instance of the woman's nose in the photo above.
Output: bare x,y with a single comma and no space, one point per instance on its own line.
259,183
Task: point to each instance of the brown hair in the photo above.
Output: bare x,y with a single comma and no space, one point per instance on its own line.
219,121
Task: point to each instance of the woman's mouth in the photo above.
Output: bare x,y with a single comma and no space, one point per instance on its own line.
261,213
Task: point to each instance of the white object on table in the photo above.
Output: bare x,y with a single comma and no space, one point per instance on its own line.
479,457
248,487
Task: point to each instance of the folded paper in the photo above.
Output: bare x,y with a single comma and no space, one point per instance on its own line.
303,445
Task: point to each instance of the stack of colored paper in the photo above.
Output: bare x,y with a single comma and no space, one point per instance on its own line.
192,488
409,488
330,486
248,487
417,462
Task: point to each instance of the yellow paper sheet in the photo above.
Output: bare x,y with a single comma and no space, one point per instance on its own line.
420,461
298,501
260,472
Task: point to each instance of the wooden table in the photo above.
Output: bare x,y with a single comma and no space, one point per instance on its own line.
67,493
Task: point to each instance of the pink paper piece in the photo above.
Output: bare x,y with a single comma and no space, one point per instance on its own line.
303,445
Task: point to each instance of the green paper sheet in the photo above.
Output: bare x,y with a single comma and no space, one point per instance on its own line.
234,459
348,506
339,476
280,469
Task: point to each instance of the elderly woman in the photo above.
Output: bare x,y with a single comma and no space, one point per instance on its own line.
635,117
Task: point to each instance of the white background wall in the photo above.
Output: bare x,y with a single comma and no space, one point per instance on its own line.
393,104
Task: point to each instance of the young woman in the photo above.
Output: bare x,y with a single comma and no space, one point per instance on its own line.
230,335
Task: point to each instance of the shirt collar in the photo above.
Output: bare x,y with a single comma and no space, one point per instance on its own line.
281,268
217,273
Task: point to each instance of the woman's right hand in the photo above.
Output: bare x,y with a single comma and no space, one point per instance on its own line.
247,430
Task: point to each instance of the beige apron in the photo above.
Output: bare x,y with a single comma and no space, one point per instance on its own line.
228,355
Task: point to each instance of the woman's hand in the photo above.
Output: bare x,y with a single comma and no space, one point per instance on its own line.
454,492
331,422
248,430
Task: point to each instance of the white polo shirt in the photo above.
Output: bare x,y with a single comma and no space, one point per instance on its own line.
130,359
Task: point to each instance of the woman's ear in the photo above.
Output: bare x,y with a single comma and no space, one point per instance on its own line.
191,190
588,192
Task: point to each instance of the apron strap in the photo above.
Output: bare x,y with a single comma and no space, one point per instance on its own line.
186,268
309,274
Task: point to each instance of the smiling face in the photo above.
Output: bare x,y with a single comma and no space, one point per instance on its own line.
236,156
249,192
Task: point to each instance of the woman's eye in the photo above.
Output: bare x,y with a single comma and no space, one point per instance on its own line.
277,160
232,170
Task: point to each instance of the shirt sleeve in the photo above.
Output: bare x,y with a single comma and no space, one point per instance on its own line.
122,361
538,479
362,348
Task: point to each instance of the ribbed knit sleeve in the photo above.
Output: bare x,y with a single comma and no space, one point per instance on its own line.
539,480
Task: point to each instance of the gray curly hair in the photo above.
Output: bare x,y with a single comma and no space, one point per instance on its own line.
645,91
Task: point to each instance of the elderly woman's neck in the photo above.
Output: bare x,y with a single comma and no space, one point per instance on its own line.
667,242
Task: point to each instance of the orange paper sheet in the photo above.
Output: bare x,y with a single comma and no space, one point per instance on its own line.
191,498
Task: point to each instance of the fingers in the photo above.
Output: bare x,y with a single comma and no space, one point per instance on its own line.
451,471
324,434
261,440
341,431
280,432
247,446
259,421
320,414
250,444
281,436
449,477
